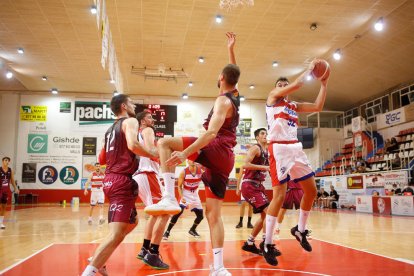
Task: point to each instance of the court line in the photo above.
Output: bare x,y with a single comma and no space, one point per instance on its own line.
25,259
241,268
365,251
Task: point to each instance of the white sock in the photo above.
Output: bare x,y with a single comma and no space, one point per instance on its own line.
218,258
270,228
250,240
1,219
303,219
169,182
90,218
90,271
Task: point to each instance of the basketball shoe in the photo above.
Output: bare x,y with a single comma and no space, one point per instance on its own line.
2,226
277,251
155,261
90,221
301,238
141,255
219,272
251,248
166,235
166,206
101,221
239,225
270,253
194,233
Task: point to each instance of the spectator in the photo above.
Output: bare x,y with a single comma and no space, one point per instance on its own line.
375,193
393,145
361,166
408,190
387,145
322,194
333,196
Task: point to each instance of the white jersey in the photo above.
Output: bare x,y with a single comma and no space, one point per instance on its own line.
282,121
97,181
145,163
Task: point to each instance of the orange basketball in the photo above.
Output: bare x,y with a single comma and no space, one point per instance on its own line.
321,69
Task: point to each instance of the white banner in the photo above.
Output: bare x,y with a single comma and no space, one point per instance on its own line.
399,178
357,124
391,118
376,180
402,205
364,204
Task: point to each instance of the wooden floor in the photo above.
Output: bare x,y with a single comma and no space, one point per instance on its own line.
336,235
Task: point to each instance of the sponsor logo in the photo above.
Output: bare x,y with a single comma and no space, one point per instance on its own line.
115,207
381,205
90,113
72,140
393,118
69,175
48,175
37,143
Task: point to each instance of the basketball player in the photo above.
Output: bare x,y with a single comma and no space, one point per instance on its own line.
256,166
286,157
150,192
97,194
121,146
213,150
188,182
6,178
243,204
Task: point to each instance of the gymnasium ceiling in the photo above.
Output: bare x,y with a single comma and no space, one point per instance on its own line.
61,40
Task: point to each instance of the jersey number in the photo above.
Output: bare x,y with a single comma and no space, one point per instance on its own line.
110,138
291,123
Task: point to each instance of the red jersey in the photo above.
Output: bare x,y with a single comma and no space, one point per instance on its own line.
119,159
192,181
227,132
97,180
5,178
258,175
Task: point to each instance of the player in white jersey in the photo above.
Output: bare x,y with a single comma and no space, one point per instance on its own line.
97,194
150,192
286,157
188,183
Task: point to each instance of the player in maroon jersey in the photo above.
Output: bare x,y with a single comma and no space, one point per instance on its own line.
213,150
6,178
121,146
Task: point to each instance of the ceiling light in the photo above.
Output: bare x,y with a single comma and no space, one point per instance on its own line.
379,25
275,64
112,81
93,10
190,83
251,86
219,19
308,77
184,96
313,26
44,78
116,93
242,98
20,51
337,55
9,74
201,59
54,91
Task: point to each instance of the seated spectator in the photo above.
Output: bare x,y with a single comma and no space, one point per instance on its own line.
375,193
361,166
322,194
396,162
408,190
393,145
333,196
387,145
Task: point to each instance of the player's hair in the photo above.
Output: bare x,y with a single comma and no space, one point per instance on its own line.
97,163
257,131
281,79
231,74
142,115
117,101
6,157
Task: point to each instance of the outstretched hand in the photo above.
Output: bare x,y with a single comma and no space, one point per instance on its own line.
231,39
177,157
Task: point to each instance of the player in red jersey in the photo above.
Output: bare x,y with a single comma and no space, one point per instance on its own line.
121,146
6,178
216,144
188,183
286,157
97,194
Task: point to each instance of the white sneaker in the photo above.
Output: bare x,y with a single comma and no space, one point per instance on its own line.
166,206
89,221
102,270
2,226
101,221
219,272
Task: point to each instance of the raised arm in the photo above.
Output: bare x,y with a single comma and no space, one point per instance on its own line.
251,154
317,106
231,40
130,127
280,92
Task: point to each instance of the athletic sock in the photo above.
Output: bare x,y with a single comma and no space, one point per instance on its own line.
169,183
218,258
155,249
250,240
303,219
270,228
241,220
146,244
90,271
249,220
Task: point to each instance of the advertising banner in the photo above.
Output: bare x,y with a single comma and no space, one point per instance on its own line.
381,205
364,204
391,118
402,205
33,113
355,182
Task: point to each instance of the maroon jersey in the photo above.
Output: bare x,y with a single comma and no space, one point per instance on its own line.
262,159
5,178
119,159
293,185
227,132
